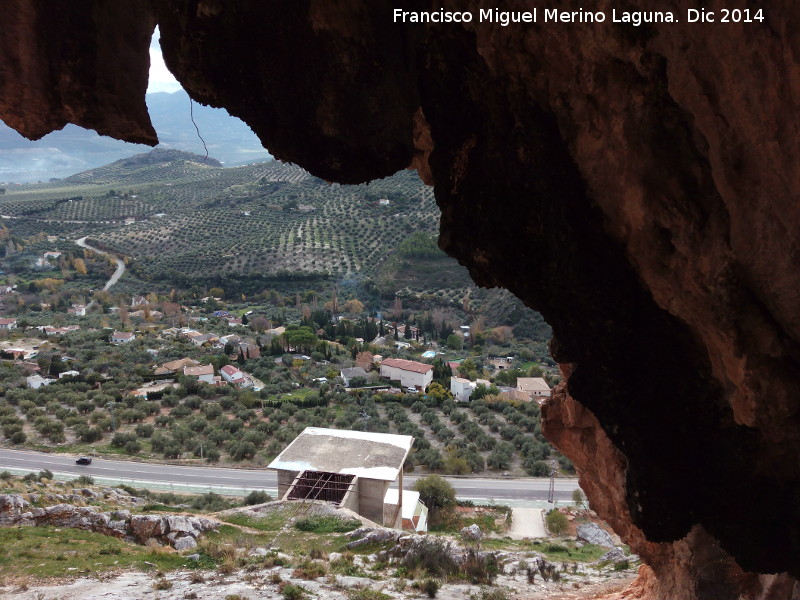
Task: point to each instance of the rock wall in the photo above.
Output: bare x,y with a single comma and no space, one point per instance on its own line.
636,185
180,532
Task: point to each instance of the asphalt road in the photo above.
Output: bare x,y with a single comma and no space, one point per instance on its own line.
199,478
120,265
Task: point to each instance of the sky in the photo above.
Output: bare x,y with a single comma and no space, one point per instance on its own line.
161,80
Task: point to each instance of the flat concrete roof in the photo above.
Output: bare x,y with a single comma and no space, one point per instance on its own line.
361,453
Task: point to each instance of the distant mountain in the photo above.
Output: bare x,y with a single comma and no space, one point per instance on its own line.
73,149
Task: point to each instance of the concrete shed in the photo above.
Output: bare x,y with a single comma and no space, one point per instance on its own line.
352,469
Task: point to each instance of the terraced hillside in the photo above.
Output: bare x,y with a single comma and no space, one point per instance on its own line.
186,214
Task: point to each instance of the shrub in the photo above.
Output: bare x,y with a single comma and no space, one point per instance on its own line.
367,594
480,567
622,565
436,493
434,556
292,592
310,570
493,594
430,587
557,522
45,474
257,497
83,480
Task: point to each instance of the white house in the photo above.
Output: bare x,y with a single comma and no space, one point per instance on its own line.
122,337
233,375
68,374
408,372
535,387
8,324
462,388
78,310
34,382
202,372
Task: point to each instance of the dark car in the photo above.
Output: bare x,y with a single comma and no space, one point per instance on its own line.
83,460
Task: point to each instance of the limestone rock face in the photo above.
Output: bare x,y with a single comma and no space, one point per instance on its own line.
636,185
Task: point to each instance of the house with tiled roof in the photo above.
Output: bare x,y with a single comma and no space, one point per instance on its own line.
202,372
409,373
534,387
122,337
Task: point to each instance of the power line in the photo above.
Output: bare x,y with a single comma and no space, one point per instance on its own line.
191,116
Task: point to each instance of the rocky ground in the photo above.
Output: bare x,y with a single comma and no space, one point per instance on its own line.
276,551
268,584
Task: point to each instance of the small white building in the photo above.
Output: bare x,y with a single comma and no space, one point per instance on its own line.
122,337
415,513
8,324
409,373
68,374
235,376
462,388
34,382
203,372
535,387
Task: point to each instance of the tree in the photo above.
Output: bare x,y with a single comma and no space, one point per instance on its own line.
454,342
353,306
437,494
259,324
80,266
364,360
578,498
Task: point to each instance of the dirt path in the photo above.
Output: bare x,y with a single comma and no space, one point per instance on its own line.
527,523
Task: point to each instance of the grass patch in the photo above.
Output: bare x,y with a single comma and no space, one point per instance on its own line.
45,552
326,524
453,521
270,522
569,551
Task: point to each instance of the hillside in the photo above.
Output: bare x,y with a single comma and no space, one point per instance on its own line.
200,219
184,220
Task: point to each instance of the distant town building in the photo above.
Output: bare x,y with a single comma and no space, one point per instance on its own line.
348,375
408,372
535,387
8,324
34,382
173,366
203,372
462,388
122,337
233,375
